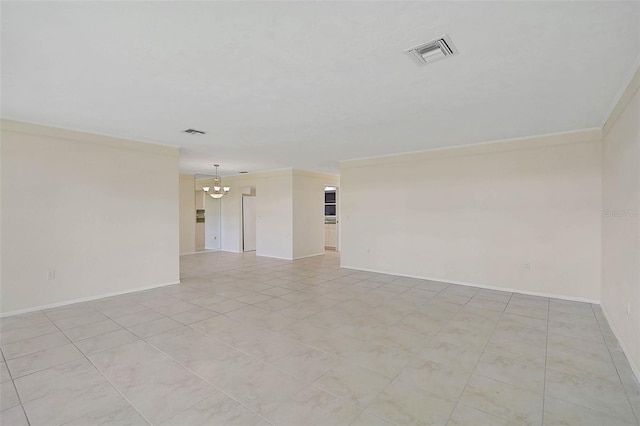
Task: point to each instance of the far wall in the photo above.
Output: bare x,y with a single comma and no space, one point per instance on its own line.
522,215
289,210
274,230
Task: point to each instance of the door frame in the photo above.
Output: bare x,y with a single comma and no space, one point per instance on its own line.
242,222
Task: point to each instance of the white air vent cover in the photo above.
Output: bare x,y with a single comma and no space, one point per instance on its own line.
433,50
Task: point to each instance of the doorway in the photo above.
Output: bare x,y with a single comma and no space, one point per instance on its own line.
331,221
248,223
208,216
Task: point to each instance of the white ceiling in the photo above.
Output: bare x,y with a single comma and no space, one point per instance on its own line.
307,84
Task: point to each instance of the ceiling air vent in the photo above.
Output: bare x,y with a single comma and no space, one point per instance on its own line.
193,132
432,51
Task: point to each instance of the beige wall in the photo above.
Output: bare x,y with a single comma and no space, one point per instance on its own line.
274,216
621,222
187,214
274,229
289,210
520,215
308,212
82,205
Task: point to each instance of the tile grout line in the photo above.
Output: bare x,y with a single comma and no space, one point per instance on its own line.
546,352
484,348
579,375
102,374
287,373
13,383
306,383
513,357
624,389
448,321
411,358
20,401
205,380
609,348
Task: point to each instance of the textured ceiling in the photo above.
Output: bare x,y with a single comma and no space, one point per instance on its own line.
307,84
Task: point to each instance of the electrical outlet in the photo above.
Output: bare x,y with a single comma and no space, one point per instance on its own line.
51,275
527,266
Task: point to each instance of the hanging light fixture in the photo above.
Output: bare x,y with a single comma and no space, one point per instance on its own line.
219,191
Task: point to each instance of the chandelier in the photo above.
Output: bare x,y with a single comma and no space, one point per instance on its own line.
219,191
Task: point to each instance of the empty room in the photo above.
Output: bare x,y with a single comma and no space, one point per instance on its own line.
324,213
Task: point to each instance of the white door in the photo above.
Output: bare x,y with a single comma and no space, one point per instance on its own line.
248,223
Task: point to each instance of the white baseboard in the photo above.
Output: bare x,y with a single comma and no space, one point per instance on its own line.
83,299
206,250
627,353
309,255
260,255
274,257
488,287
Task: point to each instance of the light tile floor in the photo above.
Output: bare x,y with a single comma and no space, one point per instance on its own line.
246,340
